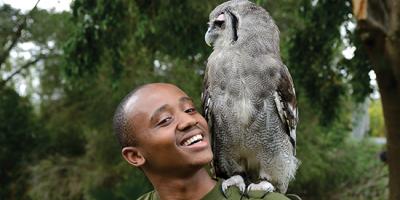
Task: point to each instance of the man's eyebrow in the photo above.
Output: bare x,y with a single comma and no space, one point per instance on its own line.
184,99
158,111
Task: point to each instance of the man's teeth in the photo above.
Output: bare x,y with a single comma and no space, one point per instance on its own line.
192,140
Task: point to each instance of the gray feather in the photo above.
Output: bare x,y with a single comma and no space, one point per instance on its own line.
248,96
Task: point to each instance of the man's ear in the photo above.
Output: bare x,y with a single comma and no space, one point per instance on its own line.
133,156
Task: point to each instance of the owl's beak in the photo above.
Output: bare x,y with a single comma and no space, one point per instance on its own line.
207,38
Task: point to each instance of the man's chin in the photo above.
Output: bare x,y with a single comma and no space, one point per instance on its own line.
203,160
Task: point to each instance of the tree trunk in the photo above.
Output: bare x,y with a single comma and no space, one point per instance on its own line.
379,29
390,95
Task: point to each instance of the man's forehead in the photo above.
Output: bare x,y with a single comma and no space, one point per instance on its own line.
158,88
154,95
130,103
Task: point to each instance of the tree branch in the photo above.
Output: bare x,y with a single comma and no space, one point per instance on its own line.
372,14
16,36
26,65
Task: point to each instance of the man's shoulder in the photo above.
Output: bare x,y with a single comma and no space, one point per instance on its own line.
233,193
269,196
149,196
275,196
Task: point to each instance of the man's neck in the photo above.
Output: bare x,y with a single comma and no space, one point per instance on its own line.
188,188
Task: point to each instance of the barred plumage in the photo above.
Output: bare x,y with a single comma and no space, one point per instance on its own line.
248,98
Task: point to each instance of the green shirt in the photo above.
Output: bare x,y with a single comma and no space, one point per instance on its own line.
216,194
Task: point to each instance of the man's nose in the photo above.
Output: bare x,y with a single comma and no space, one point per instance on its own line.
187,121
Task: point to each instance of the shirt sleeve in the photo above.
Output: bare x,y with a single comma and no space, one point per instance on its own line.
233,193
275,196
149,196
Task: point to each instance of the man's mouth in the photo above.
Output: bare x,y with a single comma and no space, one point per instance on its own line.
192,140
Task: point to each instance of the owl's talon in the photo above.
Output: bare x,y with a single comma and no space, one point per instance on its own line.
265,187
237,181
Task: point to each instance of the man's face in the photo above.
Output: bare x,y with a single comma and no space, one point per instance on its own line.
171,135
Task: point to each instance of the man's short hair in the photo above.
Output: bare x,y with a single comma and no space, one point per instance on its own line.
123,128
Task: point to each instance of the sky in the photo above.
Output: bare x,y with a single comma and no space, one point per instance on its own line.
26,5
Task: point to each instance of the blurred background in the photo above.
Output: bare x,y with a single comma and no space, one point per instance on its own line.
65,65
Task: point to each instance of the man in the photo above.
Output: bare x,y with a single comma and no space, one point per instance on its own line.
161,133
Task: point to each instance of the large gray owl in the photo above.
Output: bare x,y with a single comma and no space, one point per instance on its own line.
249,100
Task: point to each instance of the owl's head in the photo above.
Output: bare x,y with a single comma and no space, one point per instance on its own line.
238,21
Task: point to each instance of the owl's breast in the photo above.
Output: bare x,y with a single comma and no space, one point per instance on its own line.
240,78
242,82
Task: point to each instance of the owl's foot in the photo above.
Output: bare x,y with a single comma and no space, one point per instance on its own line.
260,189
236,180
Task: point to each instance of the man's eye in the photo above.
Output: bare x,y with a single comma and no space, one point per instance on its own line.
164,121
190,110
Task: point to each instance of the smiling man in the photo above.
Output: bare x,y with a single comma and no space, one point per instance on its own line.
161,132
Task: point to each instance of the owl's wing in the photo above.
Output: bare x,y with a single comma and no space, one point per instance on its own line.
285,100
205,97
207,106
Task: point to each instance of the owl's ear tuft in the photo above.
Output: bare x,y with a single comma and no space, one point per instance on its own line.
233,22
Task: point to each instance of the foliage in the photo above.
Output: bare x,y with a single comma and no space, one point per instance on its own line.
333,165
322,76
338,174
19,143
373,185
376,119
106,48
7,23
355,69
57,178
98,24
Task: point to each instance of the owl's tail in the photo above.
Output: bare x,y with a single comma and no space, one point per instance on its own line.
284,171
251,166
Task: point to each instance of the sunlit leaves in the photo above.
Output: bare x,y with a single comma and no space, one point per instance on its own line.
315,53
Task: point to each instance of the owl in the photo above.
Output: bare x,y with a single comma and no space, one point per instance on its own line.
249,100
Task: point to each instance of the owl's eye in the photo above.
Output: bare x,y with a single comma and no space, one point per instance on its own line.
220,20
219,23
